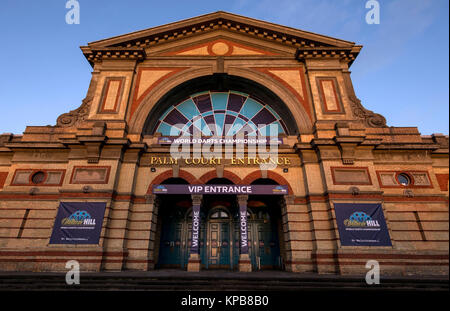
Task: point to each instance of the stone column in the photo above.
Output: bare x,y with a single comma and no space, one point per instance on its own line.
245,264
194,257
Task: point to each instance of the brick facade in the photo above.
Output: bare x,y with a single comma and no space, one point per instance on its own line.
103,153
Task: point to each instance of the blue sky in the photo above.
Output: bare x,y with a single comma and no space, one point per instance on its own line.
402,71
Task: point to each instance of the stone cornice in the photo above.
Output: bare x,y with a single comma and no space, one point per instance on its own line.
94,55
407,146
35,145
346,54
136,42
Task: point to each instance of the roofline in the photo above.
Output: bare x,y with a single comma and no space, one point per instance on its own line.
221,15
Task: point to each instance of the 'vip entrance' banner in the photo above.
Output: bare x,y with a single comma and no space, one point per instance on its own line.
78,223
221,189
361,225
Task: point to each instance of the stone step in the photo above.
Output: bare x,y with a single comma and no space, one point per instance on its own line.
209,282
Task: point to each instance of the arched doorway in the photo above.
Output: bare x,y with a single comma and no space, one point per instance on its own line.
219,236
219,250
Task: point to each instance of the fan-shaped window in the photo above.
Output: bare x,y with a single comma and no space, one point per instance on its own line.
219,214
220,114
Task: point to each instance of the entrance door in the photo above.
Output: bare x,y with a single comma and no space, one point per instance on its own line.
219,240
267,246
171,249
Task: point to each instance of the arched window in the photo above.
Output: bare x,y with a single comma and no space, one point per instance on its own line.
219,214
220,114
249,215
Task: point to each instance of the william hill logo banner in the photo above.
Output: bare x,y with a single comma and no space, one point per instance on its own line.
78,223
362,225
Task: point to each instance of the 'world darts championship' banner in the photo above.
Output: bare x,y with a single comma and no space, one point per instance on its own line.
361,225
78,223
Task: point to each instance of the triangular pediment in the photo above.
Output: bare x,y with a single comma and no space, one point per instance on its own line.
224,21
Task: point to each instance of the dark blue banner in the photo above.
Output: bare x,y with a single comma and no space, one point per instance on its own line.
243,228
195,229
361,224
78,223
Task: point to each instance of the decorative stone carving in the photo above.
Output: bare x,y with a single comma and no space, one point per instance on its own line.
354,190
369,117
86,189
76,116
408,193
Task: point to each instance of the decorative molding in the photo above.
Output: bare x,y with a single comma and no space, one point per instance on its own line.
324,98
219,47
105,170
46,182
223,21
441,178
344,54
79,115
355,191
335,171
75,117
116,96
293,78
396,184
145,83
347,146
95,55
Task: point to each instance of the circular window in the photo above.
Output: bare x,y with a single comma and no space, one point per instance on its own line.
404,179
38,178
